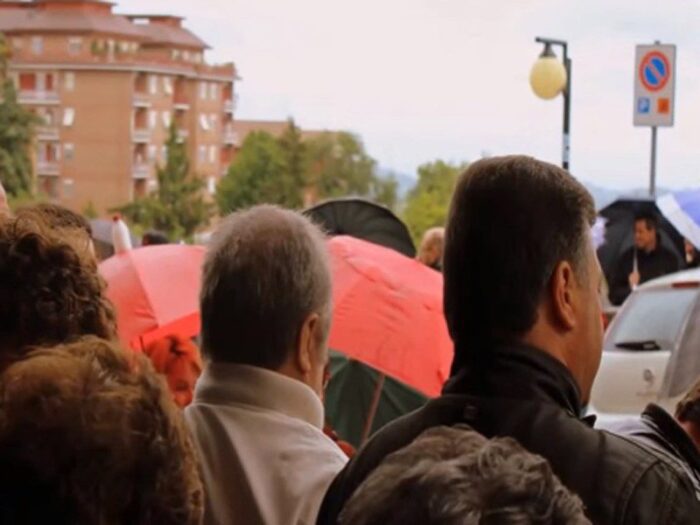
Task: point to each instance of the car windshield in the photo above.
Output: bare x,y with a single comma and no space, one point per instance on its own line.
652,320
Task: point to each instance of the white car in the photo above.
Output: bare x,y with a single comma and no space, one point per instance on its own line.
651,350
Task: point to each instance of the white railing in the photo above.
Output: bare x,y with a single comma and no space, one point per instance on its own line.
38,97
46,167
141,135
141,171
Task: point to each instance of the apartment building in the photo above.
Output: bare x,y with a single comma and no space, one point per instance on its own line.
107,87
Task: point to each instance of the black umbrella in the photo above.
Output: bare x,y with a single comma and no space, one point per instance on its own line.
102,238
619,231
364,220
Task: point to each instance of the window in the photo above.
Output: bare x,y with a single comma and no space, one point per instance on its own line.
48,186
37,45
75,46
69,81
175,54
164,153
27,81
213,90
212,154
111,44
166,119
186,56
202,154
17,44
168,85
124,47
68,116
152,119
152,84
211,185
68,187
47,116
152,152
202,90
68,151
204,122
48,82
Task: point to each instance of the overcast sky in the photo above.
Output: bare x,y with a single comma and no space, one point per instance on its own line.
426,79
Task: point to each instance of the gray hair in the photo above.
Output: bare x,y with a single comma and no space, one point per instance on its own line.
455,476
265,272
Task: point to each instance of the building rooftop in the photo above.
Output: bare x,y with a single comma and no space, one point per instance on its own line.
274,127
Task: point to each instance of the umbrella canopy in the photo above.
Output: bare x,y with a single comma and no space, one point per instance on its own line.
102,238
155,290
619,231
682,209
391,348
364,220
388,314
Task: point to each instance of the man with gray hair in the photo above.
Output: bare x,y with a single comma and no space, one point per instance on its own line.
455,476
257,414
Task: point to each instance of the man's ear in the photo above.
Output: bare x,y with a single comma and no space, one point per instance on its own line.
307,344
562,290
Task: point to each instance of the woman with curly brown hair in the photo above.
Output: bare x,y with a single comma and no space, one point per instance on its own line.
90,435
49,292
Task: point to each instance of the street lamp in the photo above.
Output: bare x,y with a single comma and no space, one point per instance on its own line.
549,77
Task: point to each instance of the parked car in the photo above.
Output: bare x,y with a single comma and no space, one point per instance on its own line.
651,350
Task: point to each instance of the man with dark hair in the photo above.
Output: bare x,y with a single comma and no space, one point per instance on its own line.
525,318
454,476
154,238
646,260
257,416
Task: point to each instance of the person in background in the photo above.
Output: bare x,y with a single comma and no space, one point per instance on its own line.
154,237
431,247
89,435
692,258
74,228
454,476
176,358
257,415
678,435
525,318
646,260
49,293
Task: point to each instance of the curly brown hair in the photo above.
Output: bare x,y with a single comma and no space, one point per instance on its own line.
49,293
89,434
688,408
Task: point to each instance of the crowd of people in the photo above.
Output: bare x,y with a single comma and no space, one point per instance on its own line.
92,433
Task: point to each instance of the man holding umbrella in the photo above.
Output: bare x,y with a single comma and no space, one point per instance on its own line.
646,260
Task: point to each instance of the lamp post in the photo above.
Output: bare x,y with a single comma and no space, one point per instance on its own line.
549,77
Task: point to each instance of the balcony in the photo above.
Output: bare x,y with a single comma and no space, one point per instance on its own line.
231,138
141,171
141,100
39,97
229,106
47,133
141,136
180,103
48,167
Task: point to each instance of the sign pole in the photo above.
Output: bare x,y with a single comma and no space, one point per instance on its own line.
652,167
566,146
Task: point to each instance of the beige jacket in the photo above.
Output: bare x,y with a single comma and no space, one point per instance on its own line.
265,459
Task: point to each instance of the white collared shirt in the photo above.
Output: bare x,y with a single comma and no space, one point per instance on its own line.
265,459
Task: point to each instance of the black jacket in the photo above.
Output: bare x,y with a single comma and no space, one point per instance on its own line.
658,429
523,393
650,266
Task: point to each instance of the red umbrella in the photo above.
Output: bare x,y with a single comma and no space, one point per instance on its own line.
388,314
155,291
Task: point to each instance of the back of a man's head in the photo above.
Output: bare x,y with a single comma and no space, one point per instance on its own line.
688,413
265,272
454,476
512,220
88,435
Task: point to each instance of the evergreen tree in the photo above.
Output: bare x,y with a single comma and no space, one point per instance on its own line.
16,133
177,207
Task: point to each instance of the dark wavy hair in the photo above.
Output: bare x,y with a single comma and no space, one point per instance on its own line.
49,292
455,476
688,408
89,434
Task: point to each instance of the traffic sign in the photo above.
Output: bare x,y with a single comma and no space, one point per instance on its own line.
654,85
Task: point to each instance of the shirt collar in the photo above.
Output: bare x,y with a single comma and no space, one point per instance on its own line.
228,383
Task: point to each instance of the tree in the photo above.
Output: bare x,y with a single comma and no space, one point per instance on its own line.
262,172
428,202
177,207
16,133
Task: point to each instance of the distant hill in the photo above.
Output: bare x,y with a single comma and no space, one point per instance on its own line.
604,196
406,181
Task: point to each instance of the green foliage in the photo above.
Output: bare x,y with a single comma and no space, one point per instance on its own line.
89,211
428,202
177,207
277,171
259,174
16,133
